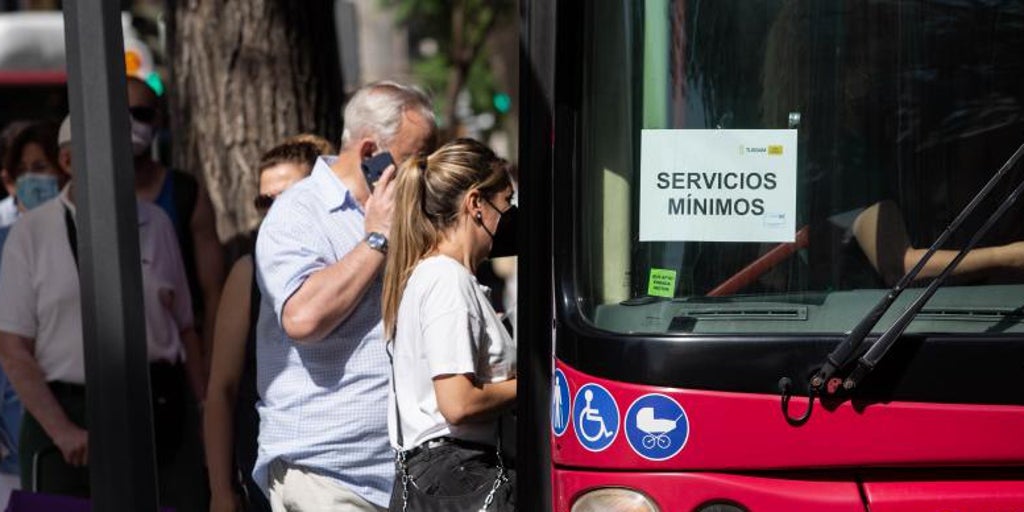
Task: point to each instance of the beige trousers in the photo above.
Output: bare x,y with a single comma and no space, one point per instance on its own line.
294,489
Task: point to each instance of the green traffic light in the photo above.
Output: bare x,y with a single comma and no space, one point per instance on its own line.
502,102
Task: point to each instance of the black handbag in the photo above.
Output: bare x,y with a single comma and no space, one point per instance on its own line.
415,500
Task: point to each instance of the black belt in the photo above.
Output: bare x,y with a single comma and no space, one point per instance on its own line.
59,386
438,442
165,366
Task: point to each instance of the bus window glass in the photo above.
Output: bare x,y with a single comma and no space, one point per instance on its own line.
902,110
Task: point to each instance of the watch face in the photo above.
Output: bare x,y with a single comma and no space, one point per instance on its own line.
376,241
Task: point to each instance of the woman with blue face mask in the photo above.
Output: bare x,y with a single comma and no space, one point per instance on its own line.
32,176
31,172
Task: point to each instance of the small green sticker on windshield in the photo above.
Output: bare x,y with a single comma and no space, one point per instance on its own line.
662,283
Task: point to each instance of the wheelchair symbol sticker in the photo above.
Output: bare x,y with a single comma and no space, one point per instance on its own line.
657,427
560,406
596,417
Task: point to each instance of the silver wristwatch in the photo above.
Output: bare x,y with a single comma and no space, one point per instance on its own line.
377,242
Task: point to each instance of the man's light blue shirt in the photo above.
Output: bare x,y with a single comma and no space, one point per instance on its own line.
323,406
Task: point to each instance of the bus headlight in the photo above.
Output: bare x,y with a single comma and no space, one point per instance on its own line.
614,500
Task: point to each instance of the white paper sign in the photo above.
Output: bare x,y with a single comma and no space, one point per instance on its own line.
718,185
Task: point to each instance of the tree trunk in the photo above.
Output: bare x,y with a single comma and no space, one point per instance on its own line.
470,30
246,74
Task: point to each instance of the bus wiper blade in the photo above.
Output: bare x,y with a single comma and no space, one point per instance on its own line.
870,359
843,354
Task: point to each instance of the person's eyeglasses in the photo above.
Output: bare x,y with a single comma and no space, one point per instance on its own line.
143,114
263,201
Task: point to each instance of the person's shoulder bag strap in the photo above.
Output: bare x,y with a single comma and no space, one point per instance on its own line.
394,389
69,224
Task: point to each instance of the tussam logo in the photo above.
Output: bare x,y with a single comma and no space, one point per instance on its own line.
772,150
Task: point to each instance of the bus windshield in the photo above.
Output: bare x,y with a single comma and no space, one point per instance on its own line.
890,114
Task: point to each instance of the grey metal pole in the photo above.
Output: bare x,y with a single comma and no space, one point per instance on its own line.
121,454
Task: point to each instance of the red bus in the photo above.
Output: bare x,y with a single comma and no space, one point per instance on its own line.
717,194
33,84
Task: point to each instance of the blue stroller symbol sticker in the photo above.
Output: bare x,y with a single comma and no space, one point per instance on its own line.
657,427
596,417
560,405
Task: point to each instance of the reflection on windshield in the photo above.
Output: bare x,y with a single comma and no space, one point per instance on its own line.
903,110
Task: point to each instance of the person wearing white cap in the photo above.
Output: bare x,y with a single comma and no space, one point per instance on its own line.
41,345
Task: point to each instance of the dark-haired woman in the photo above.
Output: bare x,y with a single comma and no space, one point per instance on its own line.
231,422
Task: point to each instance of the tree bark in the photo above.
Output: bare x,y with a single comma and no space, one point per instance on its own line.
246,74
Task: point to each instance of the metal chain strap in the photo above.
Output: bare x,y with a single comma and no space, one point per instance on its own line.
405,478
501,478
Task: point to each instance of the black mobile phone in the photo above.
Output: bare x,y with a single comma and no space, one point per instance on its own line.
374,166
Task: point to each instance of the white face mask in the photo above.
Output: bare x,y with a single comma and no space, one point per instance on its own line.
142,137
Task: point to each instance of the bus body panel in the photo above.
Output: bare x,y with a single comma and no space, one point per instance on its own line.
968,495
740,431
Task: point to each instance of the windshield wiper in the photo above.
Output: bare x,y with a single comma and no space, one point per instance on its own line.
825,381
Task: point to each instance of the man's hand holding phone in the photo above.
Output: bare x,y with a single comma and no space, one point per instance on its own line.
381,203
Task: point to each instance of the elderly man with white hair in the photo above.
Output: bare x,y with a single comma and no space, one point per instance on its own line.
322,370
42,349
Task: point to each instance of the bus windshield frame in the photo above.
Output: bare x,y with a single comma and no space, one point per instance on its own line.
924,147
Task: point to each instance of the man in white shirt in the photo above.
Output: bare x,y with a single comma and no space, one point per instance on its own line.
322,372
41,345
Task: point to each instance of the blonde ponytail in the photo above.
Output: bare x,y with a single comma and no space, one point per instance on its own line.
428,193
412,236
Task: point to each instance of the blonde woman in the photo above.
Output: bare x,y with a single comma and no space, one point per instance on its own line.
454,363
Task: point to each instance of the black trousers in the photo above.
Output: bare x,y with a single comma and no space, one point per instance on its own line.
181,476
55,476
456,469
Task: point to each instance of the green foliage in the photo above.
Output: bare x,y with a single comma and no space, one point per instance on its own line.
440,20
481,86
433,74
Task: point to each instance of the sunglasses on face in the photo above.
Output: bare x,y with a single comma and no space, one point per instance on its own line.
263,201
143,114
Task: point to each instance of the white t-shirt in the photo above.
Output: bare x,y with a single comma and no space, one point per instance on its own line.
40,298
446,326
165,292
